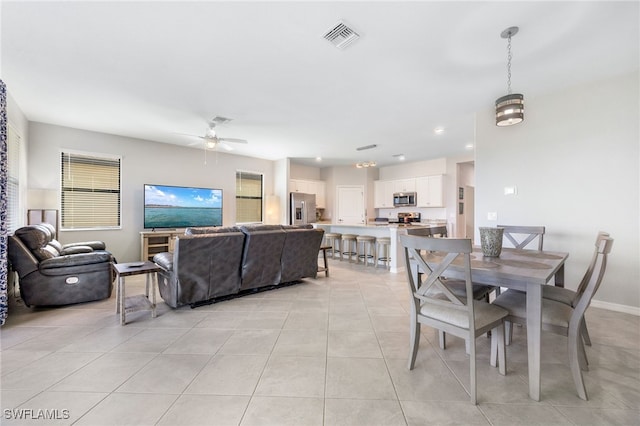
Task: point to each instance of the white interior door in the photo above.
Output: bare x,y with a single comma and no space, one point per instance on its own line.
350,206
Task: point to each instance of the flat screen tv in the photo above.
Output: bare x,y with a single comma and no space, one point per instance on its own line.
181,206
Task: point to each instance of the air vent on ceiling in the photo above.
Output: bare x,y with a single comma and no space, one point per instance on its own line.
220,120
341,36
362,148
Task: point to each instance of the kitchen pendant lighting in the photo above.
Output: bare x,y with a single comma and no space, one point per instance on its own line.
509,108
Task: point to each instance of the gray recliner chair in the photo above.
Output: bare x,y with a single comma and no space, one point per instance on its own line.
51,273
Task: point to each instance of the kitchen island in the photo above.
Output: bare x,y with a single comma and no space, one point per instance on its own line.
392,230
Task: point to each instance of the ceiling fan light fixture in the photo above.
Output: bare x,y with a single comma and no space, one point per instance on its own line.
509,108
365,164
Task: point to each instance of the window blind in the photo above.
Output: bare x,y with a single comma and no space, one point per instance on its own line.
248,197
90,194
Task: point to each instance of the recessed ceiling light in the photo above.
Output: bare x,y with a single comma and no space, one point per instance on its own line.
400,157
318,159
469,146
438,130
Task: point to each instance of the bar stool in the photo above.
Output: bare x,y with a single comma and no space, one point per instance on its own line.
333,239
346,241
383,243
368,243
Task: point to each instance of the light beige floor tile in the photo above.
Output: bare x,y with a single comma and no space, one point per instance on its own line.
10,399
356,344
47,370
13,359
104,374
354,412
250,342
165,374
102,340
430,380
153,340
307,321
394,344
210,410
199,341
229,375
423,413
283,411
527,414
223,320
13,335
350,320
62,408
174,319
128,409
54,338
263,320
358,378
601,417
293,376
301,343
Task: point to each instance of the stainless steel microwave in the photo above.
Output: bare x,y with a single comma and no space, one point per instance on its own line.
403,199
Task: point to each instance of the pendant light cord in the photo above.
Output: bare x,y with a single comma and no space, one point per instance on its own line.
509,65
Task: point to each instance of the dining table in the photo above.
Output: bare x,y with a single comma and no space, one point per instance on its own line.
525,270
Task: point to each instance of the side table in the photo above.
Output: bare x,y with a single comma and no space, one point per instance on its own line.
140,302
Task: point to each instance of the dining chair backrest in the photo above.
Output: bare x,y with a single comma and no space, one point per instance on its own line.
595,274
428,285
440,231
526,235
421,231
587,276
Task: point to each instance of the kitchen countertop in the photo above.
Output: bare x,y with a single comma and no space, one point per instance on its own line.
385,225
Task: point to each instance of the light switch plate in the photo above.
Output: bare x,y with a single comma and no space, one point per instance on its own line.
492,216
510,190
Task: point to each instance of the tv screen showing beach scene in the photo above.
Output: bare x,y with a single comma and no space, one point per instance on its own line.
181,206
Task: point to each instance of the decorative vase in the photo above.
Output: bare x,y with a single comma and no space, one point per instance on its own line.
491,241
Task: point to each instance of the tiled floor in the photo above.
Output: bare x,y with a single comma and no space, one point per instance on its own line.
329,351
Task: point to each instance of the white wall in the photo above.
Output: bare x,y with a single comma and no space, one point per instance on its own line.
142,162
575,163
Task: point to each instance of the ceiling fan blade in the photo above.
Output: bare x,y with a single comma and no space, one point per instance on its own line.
234,140
225,146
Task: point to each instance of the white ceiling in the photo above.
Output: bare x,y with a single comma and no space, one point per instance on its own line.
156,70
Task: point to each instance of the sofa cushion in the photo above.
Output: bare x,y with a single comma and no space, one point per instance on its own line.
34,237
211,230
46,252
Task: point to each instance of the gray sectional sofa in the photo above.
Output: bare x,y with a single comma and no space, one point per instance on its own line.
211,263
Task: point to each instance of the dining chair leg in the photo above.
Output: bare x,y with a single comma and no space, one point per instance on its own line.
574,362
508,331
585,333
498,350
472,373
442,337
414,343
582,356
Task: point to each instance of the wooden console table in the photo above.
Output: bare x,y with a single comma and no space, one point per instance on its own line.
140,302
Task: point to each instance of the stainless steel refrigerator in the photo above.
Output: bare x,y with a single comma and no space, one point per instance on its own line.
303,208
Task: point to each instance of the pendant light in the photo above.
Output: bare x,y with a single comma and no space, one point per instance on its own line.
509,108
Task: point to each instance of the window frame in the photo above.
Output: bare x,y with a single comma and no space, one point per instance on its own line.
99,157
261,198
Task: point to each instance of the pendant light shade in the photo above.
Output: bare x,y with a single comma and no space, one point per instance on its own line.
509,108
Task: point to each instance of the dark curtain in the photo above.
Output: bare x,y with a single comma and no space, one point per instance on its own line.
4,300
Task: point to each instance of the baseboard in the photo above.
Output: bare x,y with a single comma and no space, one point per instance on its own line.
616,307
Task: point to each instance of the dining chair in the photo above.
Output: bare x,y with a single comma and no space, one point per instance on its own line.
560,318
435,305
571,297
521,236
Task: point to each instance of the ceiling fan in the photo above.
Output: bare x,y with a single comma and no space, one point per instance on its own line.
211,141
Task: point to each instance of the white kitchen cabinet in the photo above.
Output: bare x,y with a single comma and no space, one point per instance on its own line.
316,187
383,194
404,185
429,191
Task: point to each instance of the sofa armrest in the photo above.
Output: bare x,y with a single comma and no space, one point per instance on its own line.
75,260
76,250
164,260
